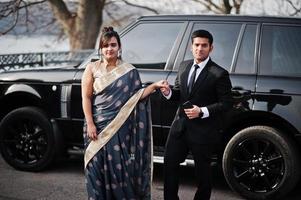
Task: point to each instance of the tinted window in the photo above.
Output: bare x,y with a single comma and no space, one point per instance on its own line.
281,47
149,45
224,42
245,60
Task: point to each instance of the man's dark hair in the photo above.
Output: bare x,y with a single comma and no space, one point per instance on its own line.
202,34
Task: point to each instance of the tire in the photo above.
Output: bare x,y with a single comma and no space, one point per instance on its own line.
260,162
26,139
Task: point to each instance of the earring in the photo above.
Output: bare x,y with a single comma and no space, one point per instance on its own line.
99,53
119,53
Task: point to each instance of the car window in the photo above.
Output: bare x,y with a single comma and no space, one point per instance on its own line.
224,42
280,50
148,45
245,63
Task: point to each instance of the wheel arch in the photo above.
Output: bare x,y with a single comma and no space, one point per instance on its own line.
255,118
17,99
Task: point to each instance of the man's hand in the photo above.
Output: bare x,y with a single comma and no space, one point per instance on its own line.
165,89
193,112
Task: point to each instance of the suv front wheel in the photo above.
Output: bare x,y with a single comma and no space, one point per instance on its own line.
260,162
27,139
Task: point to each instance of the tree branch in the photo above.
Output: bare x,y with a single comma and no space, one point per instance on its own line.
297,10
237,5
227,6
210,5
60,9
12,6
115,21
13,10
63,15
16,17
5,7
27,4
214,5
139,6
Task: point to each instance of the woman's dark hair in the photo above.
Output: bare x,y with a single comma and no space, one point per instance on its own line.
202,34
106,34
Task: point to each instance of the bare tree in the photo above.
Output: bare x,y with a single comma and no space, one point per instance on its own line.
12,8
277,7
265,7
222,6
80,25
295,7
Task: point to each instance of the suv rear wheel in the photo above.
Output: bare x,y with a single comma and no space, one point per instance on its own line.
260,162
26,139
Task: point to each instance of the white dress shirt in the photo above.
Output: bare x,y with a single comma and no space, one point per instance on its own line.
199,70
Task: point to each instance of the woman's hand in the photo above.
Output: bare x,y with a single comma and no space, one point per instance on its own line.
92,131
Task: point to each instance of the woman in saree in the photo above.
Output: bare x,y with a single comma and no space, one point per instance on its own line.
117,128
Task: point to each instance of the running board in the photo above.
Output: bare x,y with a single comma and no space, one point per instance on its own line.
160,159
156,159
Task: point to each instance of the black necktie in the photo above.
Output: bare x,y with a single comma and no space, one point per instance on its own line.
191,81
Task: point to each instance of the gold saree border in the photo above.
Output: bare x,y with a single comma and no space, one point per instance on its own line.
105,80
110,130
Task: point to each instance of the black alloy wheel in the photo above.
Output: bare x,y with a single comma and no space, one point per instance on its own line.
26,139
259,162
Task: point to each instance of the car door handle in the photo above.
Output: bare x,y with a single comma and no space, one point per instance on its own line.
239,94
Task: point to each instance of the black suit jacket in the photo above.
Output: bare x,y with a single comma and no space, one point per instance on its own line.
212,89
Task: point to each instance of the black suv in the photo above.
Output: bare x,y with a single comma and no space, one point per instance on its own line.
41,115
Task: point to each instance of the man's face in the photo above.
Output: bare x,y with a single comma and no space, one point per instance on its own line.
201,49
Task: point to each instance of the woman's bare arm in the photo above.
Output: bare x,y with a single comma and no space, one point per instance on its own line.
87,93
151,88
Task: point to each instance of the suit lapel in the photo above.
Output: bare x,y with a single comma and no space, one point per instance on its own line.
184,77
201,77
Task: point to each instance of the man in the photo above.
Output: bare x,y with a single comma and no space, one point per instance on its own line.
197,127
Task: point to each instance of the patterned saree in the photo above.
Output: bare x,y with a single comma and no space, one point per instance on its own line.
118,165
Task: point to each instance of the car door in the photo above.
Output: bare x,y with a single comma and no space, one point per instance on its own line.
278,85
243,71
151,46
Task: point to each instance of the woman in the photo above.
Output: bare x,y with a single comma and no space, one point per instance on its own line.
117,129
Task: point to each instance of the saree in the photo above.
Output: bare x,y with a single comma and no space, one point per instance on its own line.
118,165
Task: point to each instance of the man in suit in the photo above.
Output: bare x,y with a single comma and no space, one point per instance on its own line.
197,127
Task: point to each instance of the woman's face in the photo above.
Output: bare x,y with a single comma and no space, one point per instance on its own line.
110,49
